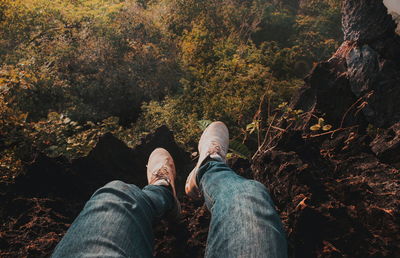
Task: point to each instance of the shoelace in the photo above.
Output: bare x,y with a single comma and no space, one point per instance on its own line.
215,148
161,173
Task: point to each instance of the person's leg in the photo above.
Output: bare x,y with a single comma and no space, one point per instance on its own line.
244,222
117,222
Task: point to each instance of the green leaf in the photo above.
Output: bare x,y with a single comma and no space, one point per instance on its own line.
239,149
327,127
315,127
252,127
229,155
203,124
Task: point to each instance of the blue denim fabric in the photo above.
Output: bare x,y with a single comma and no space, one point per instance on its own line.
244,222
117,220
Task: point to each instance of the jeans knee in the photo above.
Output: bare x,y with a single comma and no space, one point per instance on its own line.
115,190
116,185
252,189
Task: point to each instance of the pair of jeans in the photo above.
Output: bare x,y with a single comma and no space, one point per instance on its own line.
117,220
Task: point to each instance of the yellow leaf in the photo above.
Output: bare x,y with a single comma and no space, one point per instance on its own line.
327,127
229,155
315,127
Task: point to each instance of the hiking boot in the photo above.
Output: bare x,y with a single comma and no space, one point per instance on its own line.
161,171
213,145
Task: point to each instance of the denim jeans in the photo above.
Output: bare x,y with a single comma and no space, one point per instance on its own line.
117,220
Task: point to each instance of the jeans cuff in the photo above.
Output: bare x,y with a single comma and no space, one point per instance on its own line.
206,166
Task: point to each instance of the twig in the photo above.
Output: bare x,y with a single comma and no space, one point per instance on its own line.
265,137
257,118
330,132
281,133
278,128
269,96
355,103
273,138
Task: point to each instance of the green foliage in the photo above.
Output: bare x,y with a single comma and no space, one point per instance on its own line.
294,41
253,126
223,18
288,113
30,92
203,124
277,25
74,70
59,135
99,58
239,149
227,89
172,113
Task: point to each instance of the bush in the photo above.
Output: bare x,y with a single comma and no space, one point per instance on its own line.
105,57
228,89
141,64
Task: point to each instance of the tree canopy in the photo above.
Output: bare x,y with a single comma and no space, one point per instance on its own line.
72,70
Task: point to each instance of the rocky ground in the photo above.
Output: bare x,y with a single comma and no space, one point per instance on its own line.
337,191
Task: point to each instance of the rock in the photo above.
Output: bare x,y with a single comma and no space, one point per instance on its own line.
386,145
38,209
373,61
366,21
369,73
338,193
327,80
364,73
363,67
333,192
